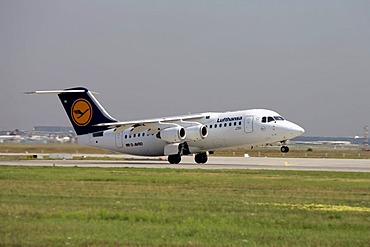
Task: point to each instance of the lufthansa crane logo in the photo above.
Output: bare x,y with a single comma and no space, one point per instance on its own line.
81,112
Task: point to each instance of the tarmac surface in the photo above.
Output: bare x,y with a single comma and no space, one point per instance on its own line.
301,164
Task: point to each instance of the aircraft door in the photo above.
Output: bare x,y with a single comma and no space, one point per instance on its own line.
248,124
118,138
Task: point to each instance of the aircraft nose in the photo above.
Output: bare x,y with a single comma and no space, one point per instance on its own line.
297,130
288,130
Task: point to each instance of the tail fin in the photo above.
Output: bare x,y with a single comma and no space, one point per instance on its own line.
83,110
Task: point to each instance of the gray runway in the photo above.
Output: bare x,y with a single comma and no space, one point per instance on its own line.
305,164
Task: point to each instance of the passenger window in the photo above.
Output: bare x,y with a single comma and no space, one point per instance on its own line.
210,126
225,125
220,125
138,135
271,119
234,123
264,120
240,123
215,126
125,136
229,124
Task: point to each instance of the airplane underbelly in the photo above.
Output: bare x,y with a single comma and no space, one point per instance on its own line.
221,141
144,147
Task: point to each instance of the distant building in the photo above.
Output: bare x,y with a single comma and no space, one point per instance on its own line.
41,134
53,133
53,129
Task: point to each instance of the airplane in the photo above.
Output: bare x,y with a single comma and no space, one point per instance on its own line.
194,134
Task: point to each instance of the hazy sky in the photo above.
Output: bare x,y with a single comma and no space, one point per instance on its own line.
307,60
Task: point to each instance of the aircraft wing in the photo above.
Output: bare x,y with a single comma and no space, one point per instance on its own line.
152,124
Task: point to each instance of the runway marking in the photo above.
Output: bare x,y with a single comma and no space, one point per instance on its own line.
287,164
314,207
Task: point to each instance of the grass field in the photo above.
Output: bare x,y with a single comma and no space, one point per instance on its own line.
54,206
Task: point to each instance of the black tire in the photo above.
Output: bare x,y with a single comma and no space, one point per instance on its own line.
284,149
201,158
174,159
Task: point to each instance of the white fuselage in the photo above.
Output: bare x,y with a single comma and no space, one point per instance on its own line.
227,129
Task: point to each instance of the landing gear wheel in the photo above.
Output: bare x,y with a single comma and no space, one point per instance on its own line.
174,158
201,158
284,149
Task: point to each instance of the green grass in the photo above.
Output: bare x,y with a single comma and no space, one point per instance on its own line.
54,206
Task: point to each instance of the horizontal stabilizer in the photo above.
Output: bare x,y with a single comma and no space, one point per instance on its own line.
58,91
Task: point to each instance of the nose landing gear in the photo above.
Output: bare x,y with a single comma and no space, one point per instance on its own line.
284,148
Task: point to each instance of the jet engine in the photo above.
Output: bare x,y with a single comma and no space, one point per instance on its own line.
172,134
196,132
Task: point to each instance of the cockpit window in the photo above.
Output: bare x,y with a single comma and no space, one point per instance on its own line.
271,119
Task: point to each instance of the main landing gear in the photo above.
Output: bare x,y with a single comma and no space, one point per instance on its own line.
200,158
174,158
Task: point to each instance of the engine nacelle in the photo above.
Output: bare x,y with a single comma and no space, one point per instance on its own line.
196,132
172,134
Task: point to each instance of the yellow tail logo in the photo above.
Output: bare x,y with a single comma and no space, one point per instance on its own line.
81,112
